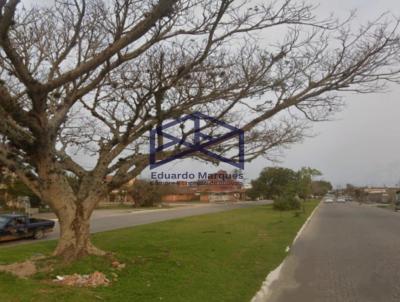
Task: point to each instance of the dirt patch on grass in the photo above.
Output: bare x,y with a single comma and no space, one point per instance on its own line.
20,269
93,280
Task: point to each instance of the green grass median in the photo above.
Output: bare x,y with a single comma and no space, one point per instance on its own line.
214,257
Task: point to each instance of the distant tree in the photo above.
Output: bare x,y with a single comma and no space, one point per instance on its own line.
350,189
320,187
147,194
19,189
360,194
288,200
272,182
304,181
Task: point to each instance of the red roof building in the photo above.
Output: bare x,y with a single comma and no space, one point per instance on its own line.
219,187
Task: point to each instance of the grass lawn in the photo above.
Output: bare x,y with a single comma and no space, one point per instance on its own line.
214,257
385,206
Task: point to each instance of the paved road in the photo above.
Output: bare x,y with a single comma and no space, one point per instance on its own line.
348,253
105,220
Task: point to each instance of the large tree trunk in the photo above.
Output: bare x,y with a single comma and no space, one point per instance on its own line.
74,242
73,210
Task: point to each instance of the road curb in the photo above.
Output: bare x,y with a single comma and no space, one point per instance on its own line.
262,294
305,224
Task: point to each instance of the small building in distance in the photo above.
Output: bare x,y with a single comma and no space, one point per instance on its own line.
219,187
182,191
119,195
379,194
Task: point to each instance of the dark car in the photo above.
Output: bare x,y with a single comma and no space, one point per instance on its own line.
17,226
397,201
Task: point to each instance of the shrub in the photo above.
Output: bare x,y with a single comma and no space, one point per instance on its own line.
148,194
287,201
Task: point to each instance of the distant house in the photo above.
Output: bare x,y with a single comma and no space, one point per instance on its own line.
119,195
219,187
379,195
182,191
14,194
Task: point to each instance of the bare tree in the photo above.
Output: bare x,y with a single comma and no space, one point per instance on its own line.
93,77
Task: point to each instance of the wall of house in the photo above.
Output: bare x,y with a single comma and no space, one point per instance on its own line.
178,197
378,197
220,197
204,198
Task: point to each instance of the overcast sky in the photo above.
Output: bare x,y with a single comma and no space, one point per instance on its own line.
362,144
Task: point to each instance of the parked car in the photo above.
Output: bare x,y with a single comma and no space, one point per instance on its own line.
397,201
328,199
341,199
17,226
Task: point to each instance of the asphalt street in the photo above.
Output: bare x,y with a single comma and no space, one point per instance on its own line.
105,220
347,253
